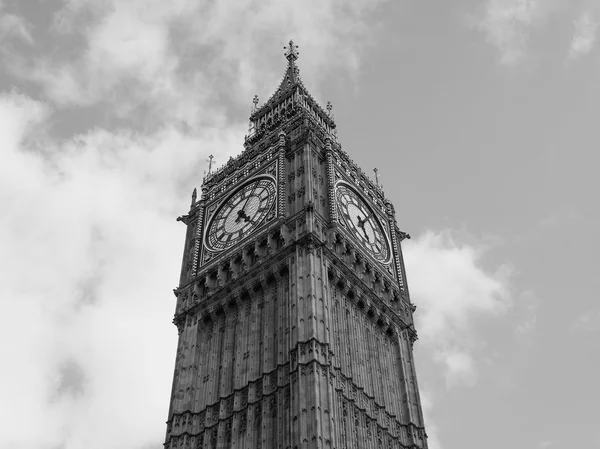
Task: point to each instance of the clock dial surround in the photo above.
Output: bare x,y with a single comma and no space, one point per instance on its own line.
241,213
360,219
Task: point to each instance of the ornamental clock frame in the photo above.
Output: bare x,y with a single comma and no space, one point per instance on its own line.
359,218
241,213
294,317
239,206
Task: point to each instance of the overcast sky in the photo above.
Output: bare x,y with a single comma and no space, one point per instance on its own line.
481,116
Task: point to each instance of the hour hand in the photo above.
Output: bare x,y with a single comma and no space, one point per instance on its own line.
361,222
241,215
365,231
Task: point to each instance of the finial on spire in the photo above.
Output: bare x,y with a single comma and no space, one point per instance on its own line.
255,103
329,108
292,52
194,196
376,176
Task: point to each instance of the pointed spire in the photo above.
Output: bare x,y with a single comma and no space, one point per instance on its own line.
290,87
292,74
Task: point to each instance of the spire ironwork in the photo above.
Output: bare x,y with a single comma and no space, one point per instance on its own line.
292,52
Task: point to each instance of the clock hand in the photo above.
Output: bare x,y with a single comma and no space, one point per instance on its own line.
365,233
241,214
361,224
250,196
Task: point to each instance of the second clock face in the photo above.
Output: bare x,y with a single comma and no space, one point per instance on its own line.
360,219
241,213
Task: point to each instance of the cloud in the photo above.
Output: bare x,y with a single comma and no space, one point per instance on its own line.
14,26
89,261
144,54
587,322
586,27
530,304
507,25
427,405
453,291
512,26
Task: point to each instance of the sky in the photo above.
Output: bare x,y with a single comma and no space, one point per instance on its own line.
481,117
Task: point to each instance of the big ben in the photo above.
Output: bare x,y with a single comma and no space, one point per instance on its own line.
294,317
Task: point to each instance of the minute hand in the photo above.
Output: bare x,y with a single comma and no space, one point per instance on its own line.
242,211
361,223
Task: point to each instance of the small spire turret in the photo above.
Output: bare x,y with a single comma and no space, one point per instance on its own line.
329,108
194,196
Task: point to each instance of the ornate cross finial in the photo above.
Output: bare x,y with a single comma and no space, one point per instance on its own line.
292,51
210,162
255,102
329,107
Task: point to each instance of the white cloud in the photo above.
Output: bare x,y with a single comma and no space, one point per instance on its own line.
586,27
507,23
140,52
511,25
587,322
15,26
519,29
530,304
452,291
427,405
88,262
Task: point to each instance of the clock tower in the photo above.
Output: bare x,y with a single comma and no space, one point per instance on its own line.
294,318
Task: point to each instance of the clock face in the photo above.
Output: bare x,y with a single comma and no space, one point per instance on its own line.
361,221
241,213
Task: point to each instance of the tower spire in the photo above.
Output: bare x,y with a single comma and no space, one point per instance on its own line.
290,88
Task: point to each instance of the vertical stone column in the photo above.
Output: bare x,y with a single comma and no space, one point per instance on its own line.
395,246
330,182
198,240
281,193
